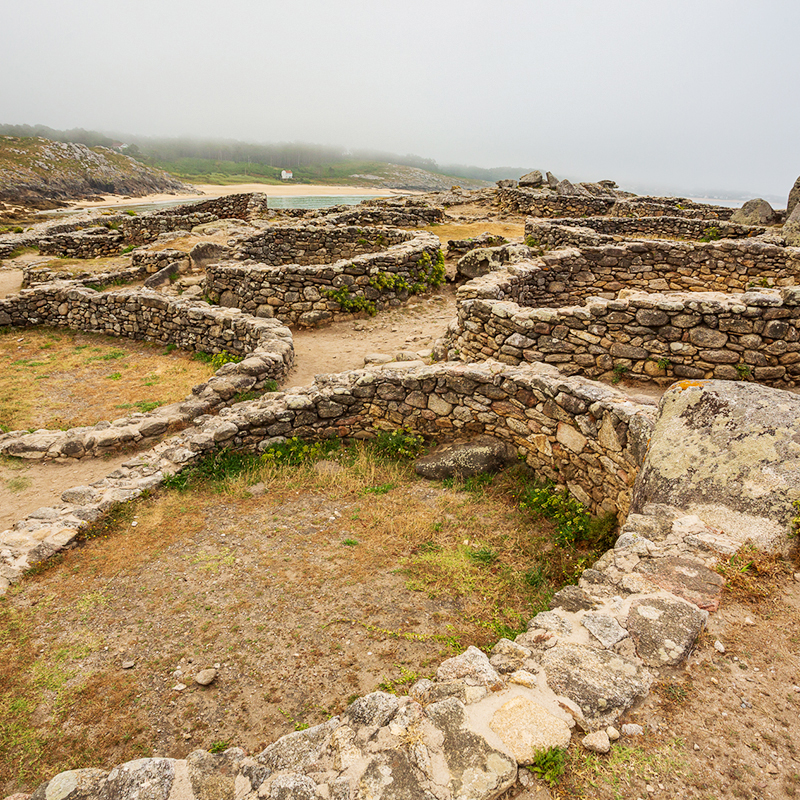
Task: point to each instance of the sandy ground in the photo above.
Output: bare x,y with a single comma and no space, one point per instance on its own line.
28,485
10,281
207,191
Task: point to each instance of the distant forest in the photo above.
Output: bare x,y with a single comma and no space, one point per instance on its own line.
187,156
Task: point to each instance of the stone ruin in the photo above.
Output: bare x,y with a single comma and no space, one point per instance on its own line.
521,357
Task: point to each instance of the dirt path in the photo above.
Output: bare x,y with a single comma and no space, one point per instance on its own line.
28,485
344,345
10,281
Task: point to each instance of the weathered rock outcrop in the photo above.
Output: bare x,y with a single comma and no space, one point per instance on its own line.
729,453
794,198
754,212
791,228
36,169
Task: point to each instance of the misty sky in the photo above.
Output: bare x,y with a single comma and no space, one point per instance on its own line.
682,94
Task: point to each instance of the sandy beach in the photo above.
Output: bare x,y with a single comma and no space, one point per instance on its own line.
206,191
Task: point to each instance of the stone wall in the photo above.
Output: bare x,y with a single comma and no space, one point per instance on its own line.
147,227
89,243
538,204
584,437
246,205
139,314
299,294
609,229
570,275
305,244
751,336
33,276
582,664
669,206
542,204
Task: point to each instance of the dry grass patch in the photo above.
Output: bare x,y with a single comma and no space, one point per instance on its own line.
54,378
308,583
75,266
448,230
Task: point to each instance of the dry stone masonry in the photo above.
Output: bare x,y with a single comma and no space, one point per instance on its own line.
306,274
589,658
578,667
659,337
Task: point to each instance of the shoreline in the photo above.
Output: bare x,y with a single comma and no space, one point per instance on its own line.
209,191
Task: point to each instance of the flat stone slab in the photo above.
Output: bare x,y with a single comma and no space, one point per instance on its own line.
728,452
602,683
526,728
463,459
664,630
684,577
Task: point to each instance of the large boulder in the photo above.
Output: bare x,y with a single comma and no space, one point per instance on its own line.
533,180
204,253
794,198
754,212
484,260
729,452
602,683
464,459
791,228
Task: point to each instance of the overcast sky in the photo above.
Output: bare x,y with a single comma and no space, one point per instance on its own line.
688,94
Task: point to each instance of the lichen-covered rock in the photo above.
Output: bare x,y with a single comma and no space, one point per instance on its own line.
476,770
685,577
794,198
602,683
295,750
526,728
664,630
75,784
472,667
213,776
728,452
754,212
532,180
791,228
604,628
483,260
143,779
375,709
466,458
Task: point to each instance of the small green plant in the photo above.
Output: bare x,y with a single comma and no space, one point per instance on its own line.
549,764
220,746
383,488
130,212
664,363
128,249
711,234
295,451
573,523
216,360
350,542
484,556
170,348
619,370
270,385
114,376
352,304
146,406
298,726
795,523
399,444
407,677
743,371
